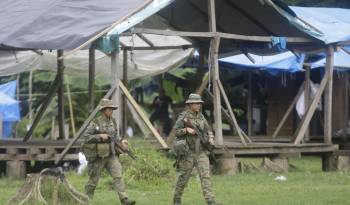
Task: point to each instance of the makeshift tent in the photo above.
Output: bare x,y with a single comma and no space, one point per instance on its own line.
9,107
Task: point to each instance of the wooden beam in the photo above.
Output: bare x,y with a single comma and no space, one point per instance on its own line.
307,97
250,105
142,48
91,78
142,114
143,37
299,134
214,69
329,96
60,95
218,34
232,115
52,91
116,97
124,102
83,127
289,110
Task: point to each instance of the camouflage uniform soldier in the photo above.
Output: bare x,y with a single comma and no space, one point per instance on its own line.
190,153
99,153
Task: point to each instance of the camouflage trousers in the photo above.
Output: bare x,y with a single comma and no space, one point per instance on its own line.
95,169
185,167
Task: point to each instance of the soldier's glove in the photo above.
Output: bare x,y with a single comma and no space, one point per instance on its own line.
125,144
211,138
103,137
190,131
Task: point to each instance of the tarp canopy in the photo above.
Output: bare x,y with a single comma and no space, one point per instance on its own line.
59,24
334,23
9,107
341,61
65,24
284,62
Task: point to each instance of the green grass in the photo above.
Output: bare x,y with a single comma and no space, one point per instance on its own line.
307,185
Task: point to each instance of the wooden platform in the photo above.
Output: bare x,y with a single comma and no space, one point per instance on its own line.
38,150
265,149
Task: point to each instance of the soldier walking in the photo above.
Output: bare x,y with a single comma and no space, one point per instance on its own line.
100,153
190,150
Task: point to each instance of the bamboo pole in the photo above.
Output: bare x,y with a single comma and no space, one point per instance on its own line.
125,81
142,115
70,107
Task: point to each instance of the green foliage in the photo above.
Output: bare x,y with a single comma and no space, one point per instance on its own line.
150,166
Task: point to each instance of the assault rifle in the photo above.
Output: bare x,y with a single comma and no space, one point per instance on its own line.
202,139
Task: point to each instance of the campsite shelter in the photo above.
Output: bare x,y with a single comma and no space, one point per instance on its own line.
216,27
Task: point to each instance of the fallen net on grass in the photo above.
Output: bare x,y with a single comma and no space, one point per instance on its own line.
50,187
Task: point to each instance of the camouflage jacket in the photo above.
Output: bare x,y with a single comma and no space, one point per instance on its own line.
100,125
197,120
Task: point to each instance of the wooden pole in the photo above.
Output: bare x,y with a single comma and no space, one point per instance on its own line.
60,93
52,90
250,105
115,76
307,98
300,133
142,115
125,82
91,78
83,127
30,96
228,105
289,110
329,96
70,107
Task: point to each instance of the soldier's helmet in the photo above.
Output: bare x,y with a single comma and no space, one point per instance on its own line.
194,98
107,103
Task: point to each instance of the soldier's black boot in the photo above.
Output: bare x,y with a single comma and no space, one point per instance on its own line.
177,201
213,203
127,201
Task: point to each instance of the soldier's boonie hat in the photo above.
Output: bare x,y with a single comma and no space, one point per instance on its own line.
194,98
107,103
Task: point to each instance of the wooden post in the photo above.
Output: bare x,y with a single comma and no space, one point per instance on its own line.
70,107
328,96
125,82
91,78
307,98
1,135
307,117
214,66
250,105
60,93
30,96
228,105
142,114
347,91
115,76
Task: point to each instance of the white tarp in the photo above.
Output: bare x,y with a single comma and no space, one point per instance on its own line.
141,63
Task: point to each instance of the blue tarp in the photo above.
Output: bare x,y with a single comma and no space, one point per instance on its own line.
334,23
9,107
341,61
287,62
